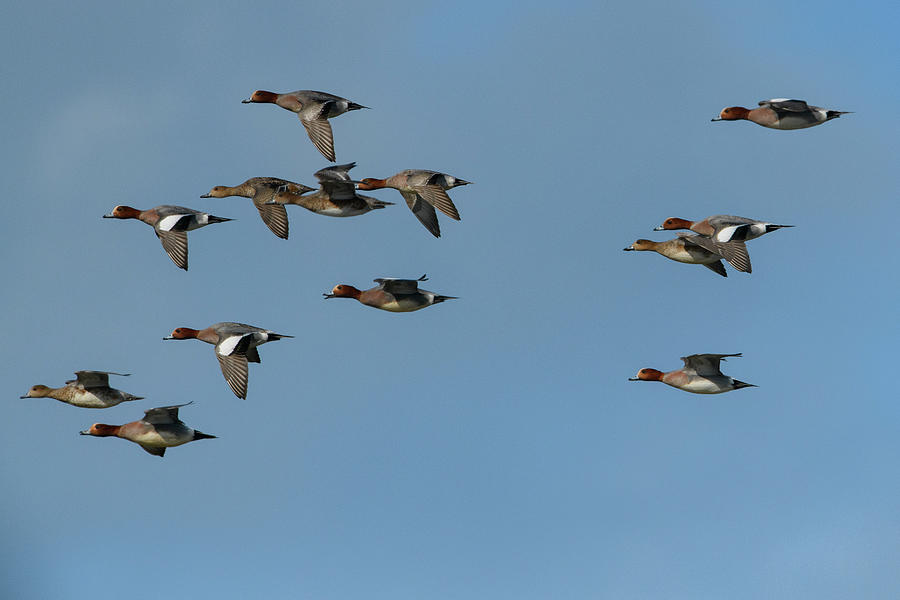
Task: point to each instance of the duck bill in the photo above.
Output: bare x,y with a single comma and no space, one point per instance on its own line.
659,228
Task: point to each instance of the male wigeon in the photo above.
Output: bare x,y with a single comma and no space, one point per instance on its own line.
336,196
90,389
683,249
423,191
394,295
261,190
723,230
781,113
171,224
159,429
700,375
314,109
235,346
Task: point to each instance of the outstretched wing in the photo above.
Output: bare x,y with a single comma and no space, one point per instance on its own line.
785,104
234,368
399,286
163,415
705,364
90,379
437,197
175,245
734,252
319,131
423,211
273,215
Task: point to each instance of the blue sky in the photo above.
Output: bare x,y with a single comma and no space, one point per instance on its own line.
488,447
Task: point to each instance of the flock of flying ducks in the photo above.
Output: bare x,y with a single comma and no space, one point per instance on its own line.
713,239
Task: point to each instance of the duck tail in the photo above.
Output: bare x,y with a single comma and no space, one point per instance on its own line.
442,298
834,114
215,219
274,337
741,384
355,106
199,435
774,227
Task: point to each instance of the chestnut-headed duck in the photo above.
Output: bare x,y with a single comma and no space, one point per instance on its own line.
90,389
159,429
423,191
314,109
394,295
171,224
723,230
700,375
683,249
261,190
235,346
336,196
781,113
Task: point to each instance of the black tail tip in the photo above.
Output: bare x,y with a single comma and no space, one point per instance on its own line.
199,435
742,384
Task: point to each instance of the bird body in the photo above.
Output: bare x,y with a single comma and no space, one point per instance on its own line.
700,375
171,224
160,428
314,109
423,190
89,389
781,113
235,346
393,295
336,196
261,190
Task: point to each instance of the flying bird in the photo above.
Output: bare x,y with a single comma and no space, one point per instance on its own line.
336,196
89,389
171,224
314,109
683,249
261,190
394,295
700,375
159,429
423,190
235,346
781,113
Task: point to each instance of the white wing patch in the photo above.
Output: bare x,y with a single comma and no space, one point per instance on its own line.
167,223
227,346
725,234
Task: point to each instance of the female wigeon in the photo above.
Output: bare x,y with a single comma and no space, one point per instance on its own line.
700,375
336,196
683,249
261,190
235,346
314,109
423,191
90,389
171,224
159,429
781,113
723,230
394,295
